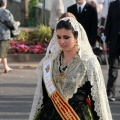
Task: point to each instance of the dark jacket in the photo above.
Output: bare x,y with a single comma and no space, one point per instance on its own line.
5,15
113,26
88,19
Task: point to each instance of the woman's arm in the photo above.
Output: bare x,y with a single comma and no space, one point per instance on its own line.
9,19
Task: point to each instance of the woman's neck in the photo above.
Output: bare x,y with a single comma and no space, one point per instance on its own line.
69,55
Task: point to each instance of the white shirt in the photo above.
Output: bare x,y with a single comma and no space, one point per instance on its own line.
105,4
81,5
57,9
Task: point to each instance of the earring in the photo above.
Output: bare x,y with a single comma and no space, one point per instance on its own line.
77,44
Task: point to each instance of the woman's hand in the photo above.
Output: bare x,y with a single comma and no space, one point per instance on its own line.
18,23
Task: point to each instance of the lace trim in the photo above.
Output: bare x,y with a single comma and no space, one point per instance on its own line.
38,97
98,90
75,76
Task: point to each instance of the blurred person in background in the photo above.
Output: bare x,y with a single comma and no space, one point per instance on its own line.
57,9
105,4
5,35
112,33
86,15
97,6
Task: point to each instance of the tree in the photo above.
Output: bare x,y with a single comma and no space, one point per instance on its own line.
25,11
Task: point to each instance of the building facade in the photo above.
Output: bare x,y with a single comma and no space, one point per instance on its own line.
19,8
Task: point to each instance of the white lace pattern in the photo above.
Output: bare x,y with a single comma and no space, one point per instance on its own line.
88,68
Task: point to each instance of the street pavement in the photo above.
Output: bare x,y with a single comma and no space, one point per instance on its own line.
18,86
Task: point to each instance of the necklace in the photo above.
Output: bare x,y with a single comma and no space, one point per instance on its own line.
61,76
63,73
62,69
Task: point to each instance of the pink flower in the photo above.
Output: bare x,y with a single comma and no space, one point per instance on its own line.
24,47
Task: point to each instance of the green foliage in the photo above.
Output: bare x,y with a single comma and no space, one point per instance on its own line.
41,33
32,20
24,36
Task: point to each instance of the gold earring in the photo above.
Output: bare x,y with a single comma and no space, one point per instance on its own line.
77,44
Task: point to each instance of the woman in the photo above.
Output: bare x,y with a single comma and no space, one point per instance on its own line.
71,84
7,17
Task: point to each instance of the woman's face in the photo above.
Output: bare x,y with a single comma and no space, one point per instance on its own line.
66,39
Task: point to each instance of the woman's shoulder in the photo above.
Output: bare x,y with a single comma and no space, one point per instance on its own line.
4,13
92,61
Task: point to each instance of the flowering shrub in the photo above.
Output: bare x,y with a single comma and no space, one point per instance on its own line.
27,48
31,41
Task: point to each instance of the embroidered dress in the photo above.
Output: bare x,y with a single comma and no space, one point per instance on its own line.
82,77
77,101
48,112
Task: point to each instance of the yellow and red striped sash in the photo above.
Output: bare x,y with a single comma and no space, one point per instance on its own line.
62,106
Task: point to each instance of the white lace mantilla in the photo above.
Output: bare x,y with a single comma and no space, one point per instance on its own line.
86,67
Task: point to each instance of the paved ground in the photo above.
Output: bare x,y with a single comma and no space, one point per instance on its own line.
17,89
115,106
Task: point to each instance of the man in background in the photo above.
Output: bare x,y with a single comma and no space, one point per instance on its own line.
112,33
86,14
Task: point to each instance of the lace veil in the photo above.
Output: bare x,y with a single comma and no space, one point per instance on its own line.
93,68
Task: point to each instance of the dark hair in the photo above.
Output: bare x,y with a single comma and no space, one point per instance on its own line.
2,2
67,25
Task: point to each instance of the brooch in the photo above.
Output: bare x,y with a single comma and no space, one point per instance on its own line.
61,76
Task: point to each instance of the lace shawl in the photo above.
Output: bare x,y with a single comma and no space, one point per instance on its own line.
90,69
